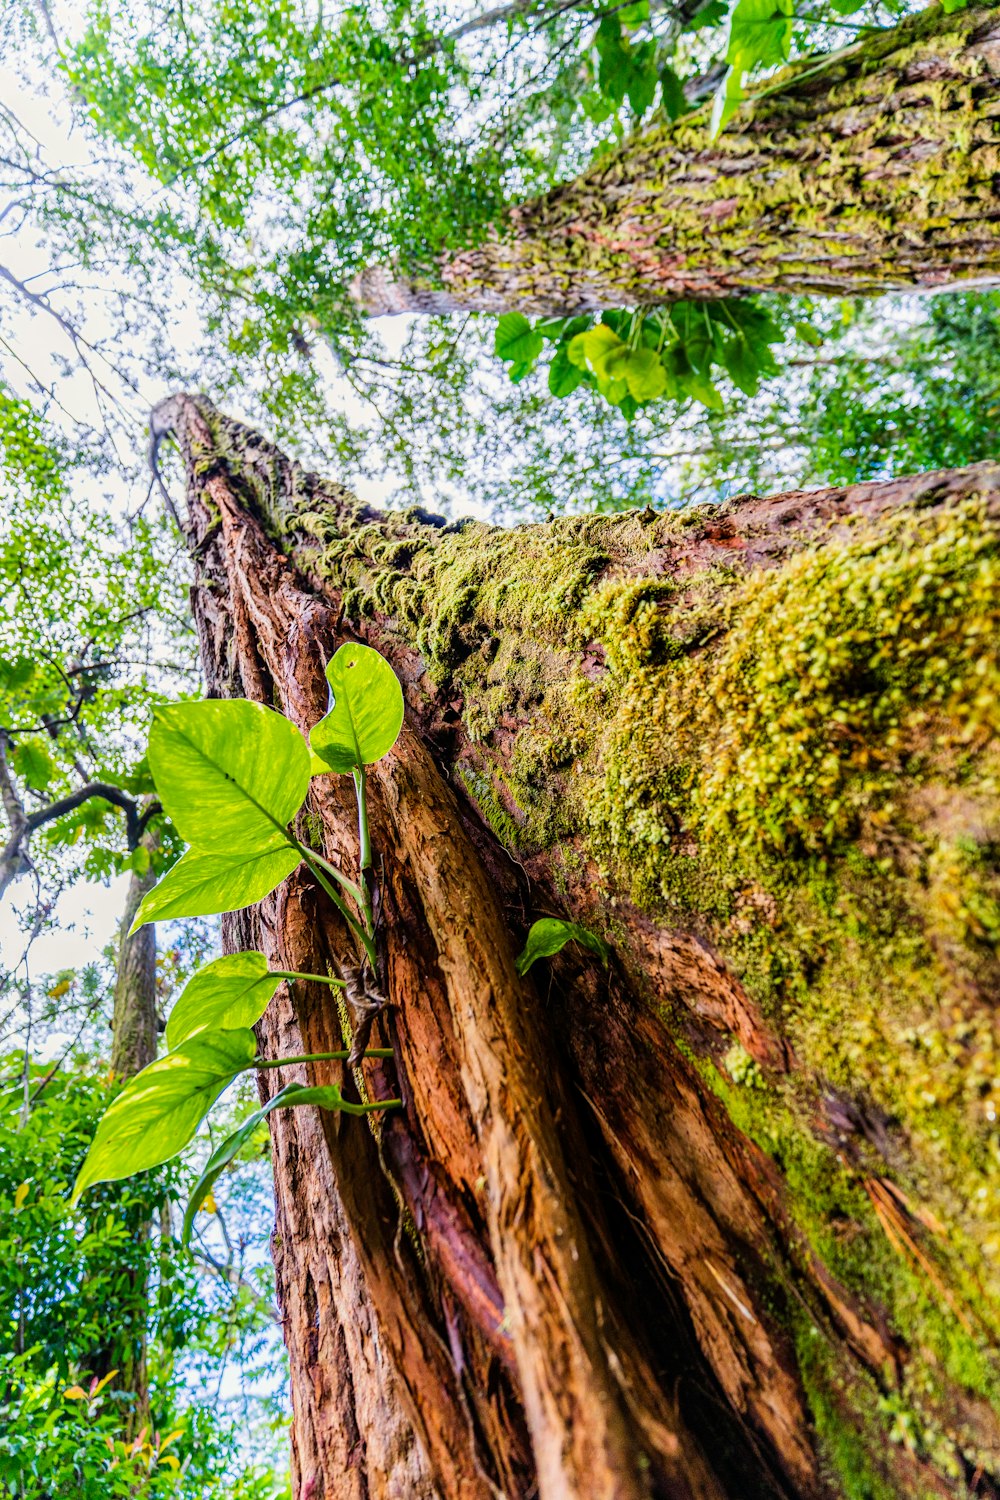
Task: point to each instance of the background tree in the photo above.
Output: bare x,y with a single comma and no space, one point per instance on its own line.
94,1297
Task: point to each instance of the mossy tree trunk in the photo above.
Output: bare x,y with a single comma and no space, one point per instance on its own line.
878,170
718,1220
134,1033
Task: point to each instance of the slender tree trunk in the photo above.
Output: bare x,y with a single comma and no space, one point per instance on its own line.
134,1021
876,170
717,1220
133,1046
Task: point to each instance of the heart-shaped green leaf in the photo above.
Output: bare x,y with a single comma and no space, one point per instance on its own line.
158,1111
645,375
517,340
230,991
202,883
231,775
366,715
550,935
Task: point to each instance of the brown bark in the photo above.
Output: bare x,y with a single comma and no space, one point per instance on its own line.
560,1269
877,171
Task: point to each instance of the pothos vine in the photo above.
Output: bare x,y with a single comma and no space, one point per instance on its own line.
232,775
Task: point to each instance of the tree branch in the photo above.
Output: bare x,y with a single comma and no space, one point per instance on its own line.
103,789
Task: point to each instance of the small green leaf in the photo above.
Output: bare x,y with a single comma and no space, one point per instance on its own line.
603,348
202,883
33,763
709,15
231,775
743,369
327,1096
701,388
139,781
645,375
366,715
159,1110
517,340
564,377
550,935
231,991
672,92
809,334
141,860
760,34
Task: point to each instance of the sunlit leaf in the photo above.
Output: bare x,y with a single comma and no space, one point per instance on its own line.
159,1110
202,883
549,935
366,715
231,991
517,340
231,775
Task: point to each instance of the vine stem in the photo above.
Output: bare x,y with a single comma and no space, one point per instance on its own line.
352,921
312,978
364,848
303,1057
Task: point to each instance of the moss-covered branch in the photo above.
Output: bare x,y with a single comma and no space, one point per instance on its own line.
875,172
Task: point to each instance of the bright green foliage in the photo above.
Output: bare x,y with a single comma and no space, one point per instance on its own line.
70,1279
366,713
908,388
549,935
634,358
231,775
231,991
54,1442
76,632
159,1110
298,150
60,1274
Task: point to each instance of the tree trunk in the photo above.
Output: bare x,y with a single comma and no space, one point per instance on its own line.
134,1021
133,1047
877,171
719,1219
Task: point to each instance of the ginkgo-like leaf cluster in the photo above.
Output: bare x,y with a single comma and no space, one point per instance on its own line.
632,358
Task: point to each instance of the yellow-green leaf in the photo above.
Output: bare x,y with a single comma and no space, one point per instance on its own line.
159,1110
230,991
202,883
366,713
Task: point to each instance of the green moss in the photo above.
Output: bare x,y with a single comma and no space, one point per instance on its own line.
494,813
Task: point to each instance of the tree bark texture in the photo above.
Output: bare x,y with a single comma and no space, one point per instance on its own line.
133,1047
876,171
718,1219
134,1021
